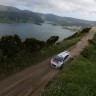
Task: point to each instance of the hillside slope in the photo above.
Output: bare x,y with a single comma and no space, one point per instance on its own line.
10,14
67,21
78,78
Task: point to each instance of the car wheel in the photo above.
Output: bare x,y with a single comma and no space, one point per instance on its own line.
61,67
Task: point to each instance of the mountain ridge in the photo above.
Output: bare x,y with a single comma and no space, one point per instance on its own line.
13,14
9,8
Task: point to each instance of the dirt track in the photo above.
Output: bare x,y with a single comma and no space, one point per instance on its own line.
31,80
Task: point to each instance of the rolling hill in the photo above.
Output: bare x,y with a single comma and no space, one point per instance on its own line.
68,21
10,14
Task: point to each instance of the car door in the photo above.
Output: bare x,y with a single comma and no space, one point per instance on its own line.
66,58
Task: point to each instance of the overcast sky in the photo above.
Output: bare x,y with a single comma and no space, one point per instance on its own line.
83,9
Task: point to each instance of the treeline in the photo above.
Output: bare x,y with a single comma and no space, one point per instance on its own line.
77,34
11,45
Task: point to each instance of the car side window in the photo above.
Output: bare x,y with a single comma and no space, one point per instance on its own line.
66,57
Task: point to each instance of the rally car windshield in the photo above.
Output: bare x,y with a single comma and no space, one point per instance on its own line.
57,58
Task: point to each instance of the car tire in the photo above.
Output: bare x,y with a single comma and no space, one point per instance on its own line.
61,67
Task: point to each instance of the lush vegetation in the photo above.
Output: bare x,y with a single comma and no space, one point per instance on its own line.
52,40
78,78
16,54
10,45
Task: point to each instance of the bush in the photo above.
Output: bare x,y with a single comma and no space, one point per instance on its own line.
32,44
91,42
86,53
10,45
52,40
85,30
2,57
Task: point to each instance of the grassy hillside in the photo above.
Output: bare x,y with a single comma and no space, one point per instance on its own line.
78,78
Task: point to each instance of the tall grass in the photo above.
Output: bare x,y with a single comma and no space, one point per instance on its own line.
77,79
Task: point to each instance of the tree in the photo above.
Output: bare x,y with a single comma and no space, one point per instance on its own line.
52,40
10,45
41,44
32,44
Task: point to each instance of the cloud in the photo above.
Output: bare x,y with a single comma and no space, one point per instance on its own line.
59,7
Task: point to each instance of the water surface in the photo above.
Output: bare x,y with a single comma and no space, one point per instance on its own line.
40,32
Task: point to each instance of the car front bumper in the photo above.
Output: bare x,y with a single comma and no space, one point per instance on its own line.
55,65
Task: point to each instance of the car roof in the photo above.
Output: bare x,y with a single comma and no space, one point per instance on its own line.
63,54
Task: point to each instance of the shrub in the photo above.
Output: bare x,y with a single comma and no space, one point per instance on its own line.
87,51
32,44
2,57
52,40
10,45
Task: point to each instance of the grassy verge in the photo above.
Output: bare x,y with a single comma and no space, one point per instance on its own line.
78,78
23,59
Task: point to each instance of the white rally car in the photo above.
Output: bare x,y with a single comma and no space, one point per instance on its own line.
60,59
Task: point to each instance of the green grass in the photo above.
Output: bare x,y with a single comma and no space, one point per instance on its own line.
78,78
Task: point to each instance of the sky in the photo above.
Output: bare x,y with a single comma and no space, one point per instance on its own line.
82,9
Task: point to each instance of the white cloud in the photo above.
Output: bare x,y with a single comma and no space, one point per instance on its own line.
74,8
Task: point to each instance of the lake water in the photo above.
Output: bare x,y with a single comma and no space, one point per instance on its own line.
40,32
